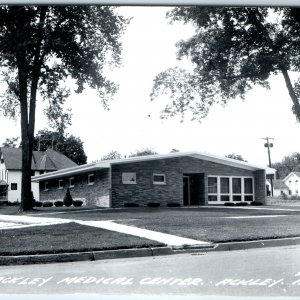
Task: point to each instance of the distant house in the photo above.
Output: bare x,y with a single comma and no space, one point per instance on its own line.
185,178
11,166
279,187
293,182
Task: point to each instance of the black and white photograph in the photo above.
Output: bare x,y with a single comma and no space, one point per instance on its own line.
149,150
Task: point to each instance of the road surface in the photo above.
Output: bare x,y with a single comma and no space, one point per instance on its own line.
256,272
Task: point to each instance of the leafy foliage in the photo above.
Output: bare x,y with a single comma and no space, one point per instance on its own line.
236,156
69,145
68,200
233,49
112,155
11,142
41,48
290,163
143,152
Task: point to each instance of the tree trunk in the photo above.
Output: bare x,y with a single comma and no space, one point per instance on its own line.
296,106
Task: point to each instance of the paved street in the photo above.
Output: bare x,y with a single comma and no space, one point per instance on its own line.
256,272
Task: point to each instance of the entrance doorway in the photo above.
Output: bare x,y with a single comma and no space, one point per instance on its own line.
193,189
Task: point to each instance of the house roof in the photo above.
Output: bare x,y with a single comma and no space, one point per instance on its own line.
290,174
48,160
278,184
106,164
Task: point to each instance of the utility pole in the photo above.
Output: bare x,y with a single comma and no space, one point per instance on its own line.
269,145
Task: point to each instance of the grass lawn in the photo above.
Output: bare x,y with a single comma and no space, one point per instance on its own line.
70,237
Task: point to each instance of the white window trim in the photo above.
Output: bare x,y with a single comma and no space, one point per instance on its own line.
71,186
46,186
89,176
129,182
231,194
60,187
159,182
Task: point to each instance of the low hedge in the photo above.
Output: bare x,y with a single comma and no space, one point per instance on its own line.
47,204
153,204
38,203
77,203
173,204
257,203
241,204
229,204
131,204
58,203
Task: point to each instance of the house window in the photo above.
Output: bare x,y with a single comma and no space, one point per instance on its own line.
71,182
290,192
60,183
91,179
14,186
236,189
159,179
41,172
248,189
224,184
129,178
46,186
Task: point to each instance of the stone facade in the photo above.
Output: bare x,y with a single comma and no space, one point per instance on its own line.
97,193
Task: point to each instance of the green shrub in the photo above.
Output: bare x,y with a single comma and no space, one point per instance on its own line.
153,204
77,203
68,200
131,204
47,204
229,204
241,204
257,203
58,203
173,204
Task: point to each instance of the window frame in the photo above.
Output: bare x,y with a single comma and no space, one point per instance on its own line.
71,185
159,182
14,184
46,187
60,186
130,181
92,175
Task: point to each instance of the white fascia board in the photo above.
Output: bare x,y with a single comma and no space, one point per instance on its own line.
68,172
288,176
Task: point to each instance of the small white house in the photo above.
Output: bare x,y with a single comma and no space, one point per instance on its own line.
279,188
293,183
11,170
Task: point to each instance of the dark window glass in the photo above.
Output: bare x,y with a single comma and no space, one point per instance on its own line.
212,198
212,185
159,178
248,183
14,186
248,198
237,198
224,185
236,185
225,198
91,179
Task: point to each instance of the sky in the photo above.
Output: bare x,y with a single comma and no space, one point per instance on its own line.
133,122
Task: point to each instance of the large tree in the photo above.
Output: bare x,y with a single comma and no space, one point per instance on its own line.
69,145
112,155
143,152
288,164
236,156
43,46
232,50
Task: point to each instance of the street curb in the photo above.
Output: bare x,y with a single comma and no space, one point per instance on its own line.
257,244
142,252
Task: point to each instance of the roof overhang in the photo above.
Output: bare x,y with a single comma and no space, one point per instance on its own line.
106,164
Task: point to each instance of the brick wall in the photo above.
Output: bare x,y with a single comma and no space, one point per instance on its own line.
260,186
174,168
96,194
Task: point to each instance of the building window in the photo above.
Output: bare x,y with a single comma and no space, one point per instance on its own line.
60,183
129,178
212,189
224,189
46,188
14,186
159,179
71,182
42,172
290,192
91,179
